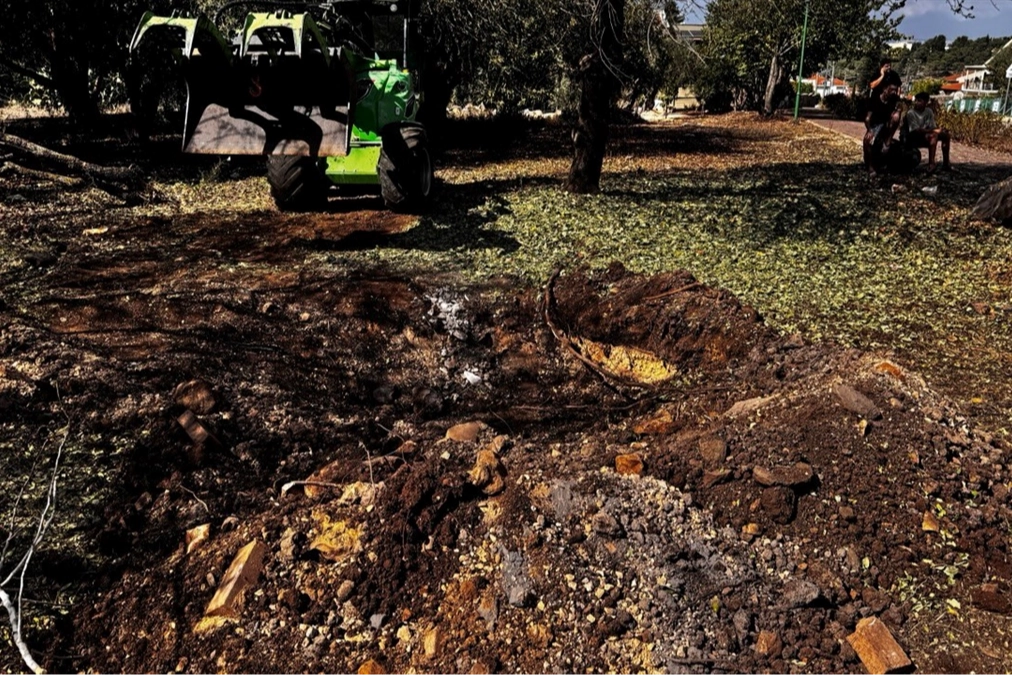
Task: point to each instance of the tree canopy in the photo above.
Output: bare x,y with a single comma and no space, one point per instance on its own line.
752,46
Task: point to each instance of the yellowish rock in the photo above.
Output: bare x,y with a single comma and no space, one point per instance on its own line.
197,536
629,465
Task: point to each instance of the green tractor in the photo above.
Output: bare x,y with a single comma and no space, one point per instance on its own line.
319,91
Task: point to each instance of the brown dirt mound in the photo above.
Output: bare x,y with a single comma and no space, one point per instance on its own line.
788,490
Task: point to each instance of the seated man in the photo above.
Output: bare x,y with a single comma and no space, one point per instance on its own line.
923,132
881,123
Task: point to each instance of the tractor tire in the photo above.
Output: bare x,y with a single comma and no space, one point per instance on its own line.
297,183
405,167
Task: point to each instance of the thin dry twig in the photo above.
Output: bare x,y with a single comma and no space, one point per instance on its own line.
676,291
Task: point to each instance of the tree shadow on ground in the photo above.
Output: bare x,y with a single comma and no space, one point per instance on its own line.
811,200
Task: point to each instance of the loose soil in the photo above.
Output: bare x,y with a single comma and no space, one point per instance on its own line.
657,480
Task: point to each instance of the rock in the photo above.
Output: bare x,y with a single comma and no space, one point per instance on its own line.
198,432
797,476
749,405
467,432
316,485
432,642
876,647
713,451
847,514
488,473
516,579
197,536
990,598
779,503
876,600
195,395
660,424
800,593
345,590
604,523
768,644
715,477
239,577
929,522
629,465
404,635
856,402
620,624
561,494
488,609
742,623
336,539
371,667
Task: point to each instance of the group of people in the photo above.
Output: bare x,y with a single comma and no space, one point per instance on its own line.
918,128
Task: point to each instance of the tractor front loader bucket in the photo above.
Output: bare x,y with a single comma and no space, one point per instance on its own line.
279,91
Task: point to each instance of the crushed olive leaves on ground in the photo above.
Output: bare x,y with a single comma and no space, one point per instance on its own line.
780,214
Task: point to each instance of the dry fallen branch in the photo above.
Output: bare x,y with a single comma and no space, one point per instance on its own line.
126,183
20,569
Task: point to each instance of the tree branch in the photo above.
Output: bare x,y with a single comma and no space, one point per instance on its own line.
27,72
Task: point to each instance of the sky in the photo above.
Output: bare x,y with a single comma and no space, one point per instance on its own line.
923,19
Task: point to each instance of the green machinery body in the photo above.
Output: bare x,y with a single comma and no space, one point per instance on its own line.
315,91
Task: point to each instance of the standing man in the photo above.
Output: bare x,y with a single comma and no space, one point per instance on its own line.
923,132
880,123
886,75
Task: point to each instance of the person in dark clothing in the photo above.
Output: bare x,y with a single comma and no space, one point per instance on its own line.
881,122
886,76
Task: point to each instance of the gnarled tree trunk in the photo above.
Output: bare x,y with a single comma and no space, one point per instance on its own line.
598,74
776,74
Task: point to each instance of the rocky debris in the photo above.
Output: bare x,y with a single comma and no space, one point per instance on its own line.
991,597
197,536
660,424
432,642
799,593
516,579
240,576
856,402
715,477
466,432
749,405
335,539
195,395
197,432
877,648
768,644
796,476
779,503
371,667
929,522
630,464
713,451
488,473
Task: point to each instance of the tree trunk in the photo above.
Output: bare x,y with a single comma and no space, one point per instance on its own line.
995,203
438,87
599,83
126,183
775,76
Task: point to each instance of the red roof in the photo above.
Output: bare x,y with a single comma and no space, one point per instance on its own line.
820,80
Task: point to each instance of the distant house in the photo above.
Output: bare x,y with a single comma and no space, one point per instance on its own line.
972,82
824,86
973,78
951,84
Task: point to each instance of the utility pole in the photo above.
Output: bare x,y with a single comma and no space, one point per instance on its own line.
801,63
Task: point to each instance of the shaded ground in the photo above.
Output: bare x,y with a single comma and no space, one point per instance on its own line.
348,343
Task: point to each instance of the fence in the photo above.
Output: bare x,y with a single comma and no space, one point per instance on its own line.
972,105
